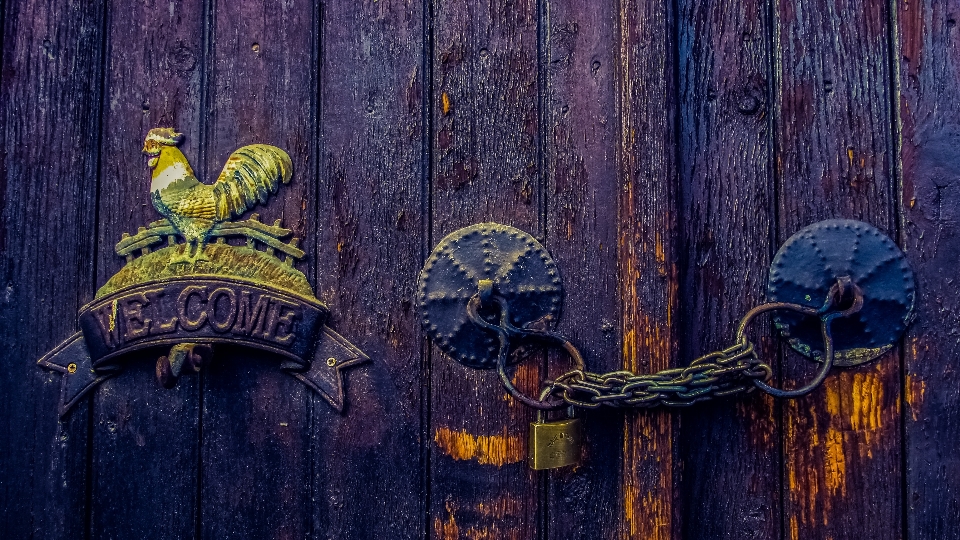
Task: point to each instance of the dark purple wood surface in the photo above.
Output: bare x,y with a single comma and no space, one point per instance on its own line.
50,110
145,438
579,158
255,466
726,215
485,137
661,150
372,214
648,273
842,443
928,107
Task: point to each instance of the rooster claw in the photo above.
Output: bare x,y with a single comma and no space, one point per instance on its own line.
184,257
183,358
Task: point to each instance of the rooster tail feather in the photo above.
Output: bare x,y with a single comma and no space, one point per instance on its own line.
251,175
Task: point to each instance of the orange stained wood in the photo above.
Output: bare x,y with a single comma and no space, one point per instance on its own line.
834,439
447,529
647,346
497,450
916,388
867,396
648,505
491,526
446,103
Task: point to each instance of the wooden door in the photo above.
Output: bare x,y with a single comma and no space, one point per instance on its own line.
661,150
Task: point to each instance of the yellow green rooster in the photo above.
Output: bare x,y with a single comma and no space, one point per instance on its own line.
251,175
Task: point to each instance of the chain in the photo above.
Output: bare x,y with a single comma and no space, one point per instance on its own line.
728,372
718,374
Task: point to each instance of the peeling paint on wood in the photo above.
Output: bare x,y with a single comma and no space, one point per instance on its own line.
497,450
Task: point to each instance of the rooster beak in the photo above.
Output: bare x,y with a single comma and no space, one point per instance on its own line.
151,151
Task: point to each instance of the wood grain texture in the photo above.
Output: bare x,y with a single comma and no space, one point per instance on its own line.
661,150
145,437
371,213
648,273
50,109
727,213
582,194
485,143
842,452
929,103
255,439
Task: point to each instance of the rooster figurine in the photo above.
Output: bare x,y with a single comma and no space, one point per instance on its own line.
251,175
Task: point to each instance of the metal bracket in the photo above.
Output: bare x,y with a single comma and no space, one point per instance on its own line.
486,258
812,260
490,258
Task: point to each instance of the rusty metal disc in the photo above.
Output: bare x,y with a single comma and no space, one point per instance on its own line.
810,262
522,272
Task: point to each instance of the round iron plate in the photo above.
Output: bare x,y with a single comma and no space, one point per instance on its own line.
810,262
522,271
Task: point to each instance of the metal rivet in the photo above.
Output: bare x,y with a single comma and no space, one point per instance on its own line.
331,361
71,367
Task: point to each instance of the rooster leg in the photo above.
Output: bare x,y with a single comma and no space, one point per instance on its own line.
187,254
198,255
191,253
181,255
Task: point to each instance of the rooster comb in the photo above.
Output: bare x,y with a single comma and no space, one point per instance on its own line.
164,135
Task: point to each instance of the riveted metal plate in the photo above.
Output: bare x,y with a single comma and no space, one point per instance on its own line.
521,270
810,262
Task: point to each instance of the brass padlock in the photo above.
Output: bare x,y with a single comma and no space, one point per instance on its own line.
555,444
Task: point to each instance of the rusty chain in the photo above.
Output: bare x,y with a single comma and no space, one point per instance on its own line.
728,372
718,374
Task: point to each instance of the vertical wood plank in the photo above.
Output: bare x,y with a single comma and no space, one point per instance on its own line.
485,143
842,446
729,450
929,103
145,437
368,477
256,419
50,109
582,193
646,252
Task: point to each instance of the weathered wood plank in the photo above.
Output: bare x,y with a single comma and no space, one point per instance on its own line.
371,212
50,110
485,143
727,212
842,458
646,252
145,437
582,193
256,419
929,103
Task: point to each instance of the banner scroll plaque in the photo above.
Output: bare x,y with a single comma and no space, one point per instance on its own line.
189,299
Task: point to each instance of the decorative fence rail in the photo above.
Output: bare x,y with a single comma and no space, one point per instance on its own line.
252,229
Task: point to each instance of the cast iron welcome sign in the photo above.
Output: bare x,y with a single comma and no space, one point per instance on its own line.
191,296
